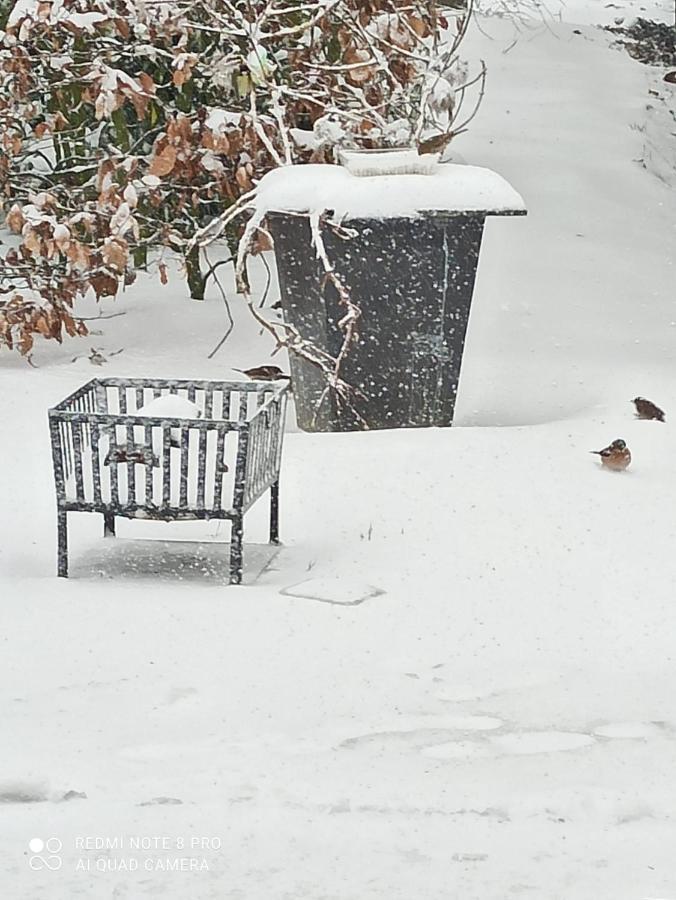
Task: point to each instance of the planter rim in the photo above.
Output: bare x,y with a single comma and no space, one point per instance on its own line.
439,214
452,190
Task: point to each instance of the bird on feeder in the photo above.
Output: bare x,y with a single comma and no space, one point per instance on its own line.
264,373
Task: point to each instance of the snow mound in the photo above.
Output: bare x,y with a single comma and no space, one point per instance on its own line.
172,406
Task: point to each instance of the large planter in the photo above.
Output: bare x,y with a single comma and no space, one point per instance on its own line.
411,271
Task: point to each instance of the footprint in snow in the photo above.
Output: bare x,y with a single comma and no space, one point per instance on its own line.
473,723
528,742
456,750
179,693
162,801
423,730
523,743
20,791
629,730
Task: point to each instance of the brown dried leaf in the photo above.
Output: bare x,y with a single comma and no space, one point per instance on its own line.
115,253
140,103
104,285
164,162
242,178
41,324
222,145
261,243
180,76
107,167
69,324
15,219
31,241
26,343
78,254
179,130
123,27
417,24
147,82
362,74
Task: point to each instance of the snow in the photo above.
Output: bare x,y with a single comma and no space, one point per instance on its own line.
55,12
171,406
315,188
222,119
392,162
325,750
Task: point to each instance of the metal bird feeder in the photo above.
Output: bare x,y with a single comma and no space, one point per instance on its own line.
108,459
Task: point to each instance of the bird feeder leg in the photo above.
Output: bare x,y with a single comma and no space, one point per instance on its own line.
108,525
236,551
274,513
62,543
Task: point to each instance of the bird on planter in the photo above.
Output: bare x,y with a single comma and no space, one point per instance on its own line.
645,409
264,373
435,144
615,456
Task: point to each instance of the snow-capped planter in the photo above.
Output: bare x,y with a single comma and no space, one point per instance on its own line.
407,249
147,448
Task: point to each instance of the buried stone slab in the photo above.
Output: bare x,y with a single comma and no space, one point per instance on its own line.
338,591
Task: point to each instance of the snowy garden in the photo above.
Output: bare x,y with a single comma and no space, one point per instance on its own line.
337,299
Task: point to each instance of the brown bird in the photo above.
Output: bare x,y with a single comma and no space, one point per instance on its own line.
136,454
615,456
645,409
264,373
435,144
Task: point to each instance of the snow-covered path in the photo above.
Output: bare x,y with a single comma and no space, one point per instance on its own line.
579,295
499,721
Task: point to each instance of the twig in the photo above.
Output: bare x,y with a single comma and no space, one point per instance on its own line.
231,321
96,318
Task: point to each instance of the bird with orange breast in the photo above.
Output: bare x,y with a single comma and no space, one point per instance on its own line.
615,456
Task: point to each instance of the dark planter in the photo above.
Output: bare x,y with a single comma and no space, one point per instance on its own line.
413,279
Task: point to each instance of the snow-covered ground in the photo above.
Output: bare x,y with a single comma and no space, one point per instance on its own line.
496,718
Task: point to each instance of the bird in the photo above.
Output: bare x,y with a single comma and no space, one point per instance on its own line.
435,144
645,409
264,373
615,456
136,454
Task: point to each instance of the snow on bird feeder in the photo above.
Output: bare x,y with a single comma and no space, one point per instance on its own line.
406,246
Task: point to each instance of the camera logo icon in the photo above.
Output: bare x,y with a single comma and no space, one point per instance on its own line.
45,854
